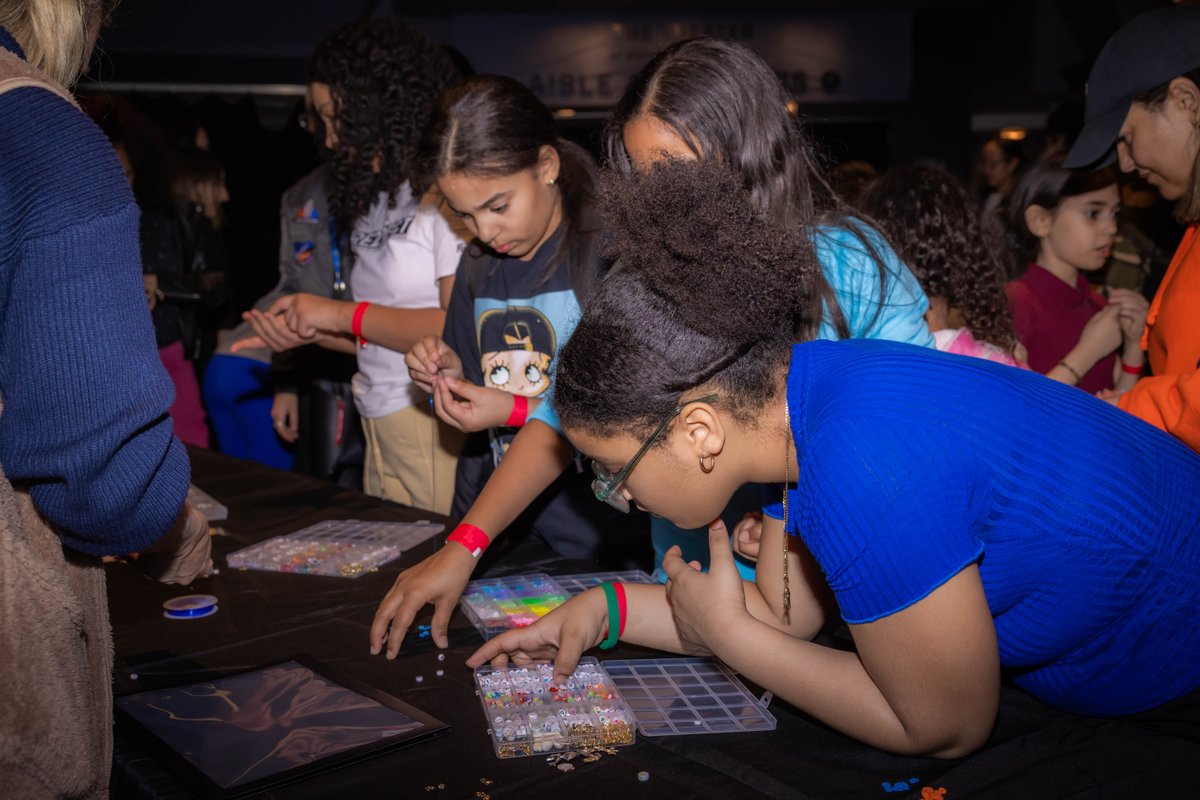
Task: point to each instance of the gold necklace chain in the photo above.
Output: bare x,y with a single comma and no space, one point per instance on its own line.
787,590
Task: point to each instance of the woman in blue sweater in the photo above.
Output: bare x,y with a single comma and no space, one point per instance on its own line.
965,519
88,463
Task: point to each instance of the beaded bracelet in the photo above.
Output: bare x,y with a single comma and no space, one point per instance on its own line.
1071,370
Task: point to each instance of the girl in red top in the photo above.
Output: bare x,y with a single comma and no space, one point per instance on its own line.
1063,223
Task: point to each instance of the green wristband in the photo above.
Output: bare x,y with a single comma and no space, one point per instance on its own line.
614,617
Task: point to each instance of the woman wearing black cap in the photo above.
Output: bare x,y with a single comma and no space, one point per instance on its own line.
1143,101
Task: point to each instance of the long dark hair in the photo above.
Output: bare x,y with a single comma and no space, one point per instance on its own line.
493,125
385,77
1046,183
708,292
726,102
932,223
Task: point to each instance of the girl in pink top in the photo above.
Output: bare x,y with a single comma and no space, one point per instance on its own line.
928,218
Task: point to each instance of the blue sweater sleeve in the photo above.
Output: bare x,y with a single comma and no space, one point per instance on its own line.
84,425
854,277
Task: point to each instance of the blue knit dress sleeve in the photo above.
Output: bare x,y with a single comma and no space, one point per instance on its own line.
85,425
886,538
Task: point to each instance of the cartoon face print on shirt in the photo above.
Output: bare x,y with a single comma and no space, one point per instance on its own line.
516,344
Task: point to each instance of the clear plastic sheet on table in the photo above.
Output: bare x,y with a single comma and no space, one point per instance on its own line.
206,504
341,548
494,605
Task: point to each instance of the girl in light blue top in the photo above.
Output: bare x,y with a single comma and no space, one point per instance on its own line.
707,98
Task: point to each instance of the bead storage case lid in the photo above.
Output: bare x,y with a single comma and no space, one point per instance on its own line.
498,604
574,584
529,715
345,548
677,696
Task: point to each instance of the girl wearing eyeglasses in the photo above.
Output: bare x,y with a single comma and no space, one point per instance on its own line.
962,517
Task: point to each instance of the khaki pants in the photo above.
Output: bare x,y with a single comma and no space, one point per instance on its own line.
410,458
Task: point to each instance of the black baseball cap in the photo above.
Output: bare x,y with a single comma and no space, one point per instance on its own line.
1148,51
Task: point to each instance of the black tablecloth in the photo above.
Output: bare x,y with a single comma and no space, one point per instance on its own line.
1035,751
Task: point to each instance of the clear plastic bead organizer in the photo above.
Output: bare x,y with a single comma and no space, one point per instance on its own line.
678,696
529,715
574,584
345,548
495,605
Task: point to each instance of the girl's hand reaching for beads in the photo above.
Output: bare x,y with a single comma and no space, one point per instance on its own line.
562,636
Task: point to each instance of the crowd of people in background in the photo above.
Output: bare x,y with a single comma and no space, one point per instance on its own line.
288,401
478,317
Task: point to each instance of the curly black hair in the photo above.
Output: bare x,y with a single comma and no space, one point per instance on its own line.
385,77
709,292
934,226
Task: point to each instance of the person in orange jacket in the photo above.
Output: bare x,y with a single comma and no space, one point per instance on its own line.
1143,109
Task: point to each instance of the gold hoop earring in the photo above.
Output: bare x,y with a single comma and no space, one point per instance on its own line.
710,466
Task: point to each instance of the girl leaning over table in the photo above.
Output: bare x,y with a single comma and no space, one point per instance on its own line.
527,195
961,517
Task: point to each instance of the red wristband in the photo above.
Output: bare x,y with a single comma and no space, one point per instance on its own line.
356,322
520,411
620,589
470,537
1131,370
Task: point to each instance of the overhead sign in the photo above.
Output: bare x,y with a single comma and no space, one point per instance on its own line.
584,61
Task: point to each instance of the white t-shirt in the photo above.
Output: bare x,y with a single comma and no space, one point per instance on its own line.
400,254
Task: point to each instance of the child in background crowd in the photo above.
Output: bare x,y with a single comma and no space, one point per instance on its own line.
374,84
1062,222
1000,164
928,217
527,195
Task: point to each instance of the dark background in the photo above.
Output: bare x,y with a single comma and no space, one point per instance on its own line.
237,67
